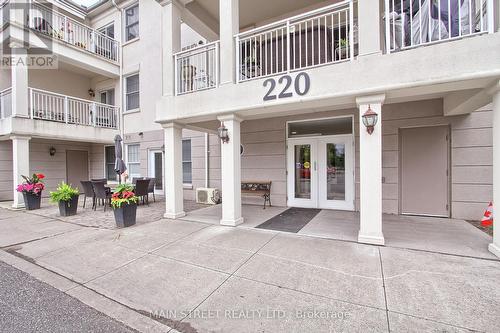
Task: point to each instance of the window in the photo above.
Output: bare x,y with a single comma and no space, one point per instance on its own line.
108,97
132,92
109,153
132,22
108,30
133,161
187,170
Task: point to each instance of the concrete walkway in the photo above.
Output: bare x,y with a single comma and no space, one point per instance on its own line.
198,277
412,232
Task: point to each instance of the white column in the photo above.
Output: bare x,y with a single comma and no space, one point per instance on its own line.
229,26
171,42
495,246
19,74
20,165
231,173
369,24
370,164
174,196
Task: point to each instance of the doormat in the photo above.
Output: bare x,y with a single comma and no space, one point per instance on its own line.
291,220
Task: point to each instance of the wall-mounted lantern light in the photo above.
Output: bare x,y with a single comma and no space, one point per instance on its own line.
223,133
52,151
370,119
91,93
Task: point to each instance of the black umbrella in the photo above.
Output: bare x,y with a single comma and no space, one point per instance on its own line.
120,166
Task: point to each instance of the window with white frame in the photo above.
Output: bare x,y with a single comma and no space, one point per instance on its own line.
110,162
132,22
132,101
187,167
133,160
108,30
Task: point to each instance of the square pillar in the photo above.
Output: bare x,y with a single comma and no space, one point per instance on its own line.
495,246
20,165
19,75
174,196
369,23
231,173
171,41
370,164
229,26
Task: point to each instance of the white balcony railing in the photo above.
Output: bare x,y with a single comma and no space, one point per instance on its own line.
46,105
47,21
319,37
5,103
413,23
197,68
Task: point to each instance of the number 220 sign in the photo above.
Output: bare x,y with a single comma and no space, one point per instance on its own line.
283,85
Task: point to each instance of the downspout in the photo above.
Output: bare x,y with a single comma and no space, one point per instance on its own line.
207,152
120,84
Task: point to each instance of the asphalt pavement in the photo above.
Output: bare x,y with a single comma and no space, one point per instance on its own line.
29,305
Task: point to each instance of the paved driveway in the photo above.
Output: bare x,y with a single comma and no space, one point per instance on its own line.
205,278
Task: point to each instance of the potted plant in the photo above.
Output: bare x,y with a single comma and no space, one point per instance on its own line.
342,49
124,203
67,198
32,188
250,67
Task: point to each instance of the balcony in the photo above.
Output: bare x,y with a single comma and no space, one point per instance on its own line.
416,23
46,21
319,37
50,106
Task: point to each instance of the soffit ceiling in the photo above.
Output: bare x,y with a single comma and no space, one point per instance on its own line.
255,11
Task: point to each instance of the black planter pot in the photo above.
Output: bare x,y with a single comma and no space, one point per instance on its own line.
125,215
32,201
68,208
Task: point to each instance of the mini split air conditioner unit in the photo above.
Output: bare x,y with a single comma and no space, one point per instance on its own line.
209,196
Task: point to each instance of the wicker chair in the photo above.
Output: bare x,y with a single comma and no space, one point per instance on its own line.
151,188
101,192
141,190
88,191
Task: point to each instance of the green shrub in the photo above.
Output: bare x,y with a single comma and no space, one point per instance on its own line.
64,192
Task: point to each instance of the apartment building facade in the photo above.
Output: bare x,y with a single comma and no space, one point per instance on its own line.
292,85
370,106
61,120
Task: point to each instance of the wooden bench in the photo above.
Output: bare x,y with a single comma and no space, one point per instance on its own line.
260,188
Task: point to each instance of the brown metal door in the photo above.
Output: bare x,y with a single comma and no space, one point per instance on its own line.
424,171
77,167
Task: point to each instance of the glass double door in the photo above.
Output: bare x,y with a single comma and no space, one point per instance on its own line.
321,172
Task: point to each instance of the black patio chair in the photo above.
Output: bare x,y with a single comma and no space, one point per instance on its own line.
101,193
134,179
151,188
99,180
141,190
88,191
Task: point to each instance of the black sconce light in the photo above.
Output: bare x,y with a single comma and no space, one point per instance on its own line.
52,151
91,93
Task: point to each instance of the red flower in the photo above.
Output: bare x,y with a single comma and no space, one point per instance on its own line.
40,175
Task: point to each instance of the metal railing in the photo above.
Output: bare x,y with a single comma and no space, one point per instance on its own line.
47,21
318,37
197,68
46,105
5,103
411,23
